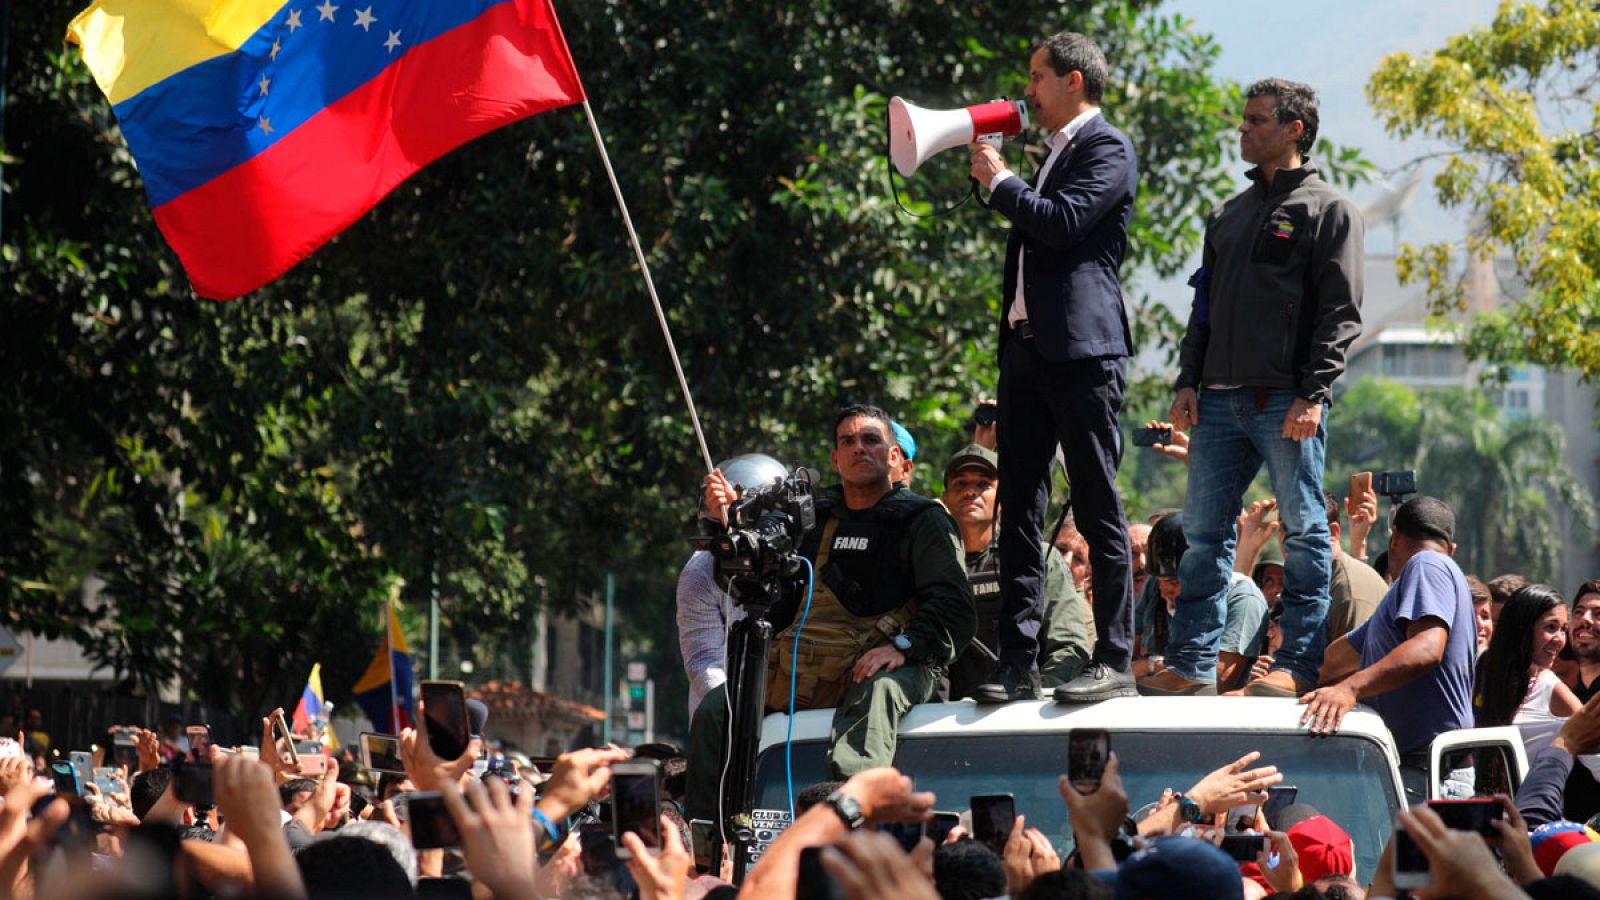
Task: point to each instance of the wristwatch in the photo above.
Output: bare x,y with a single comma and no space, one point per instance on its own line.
902,642
848,810
1188,810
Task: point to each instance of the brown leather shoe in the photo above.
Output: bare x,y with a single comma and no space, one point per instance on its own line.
1168,683
1277,683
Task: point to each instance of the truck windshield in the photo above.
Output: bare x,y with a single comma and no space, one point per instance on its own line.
1345,777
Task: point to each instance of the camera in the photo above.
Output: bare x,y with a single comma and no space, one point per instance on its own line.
765,527
1394,485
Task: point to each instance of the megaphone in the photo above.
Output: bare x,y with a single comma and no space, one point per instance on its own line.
915,134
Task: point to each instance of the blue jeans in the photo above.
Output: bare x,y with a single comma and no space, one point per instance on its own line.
1226,450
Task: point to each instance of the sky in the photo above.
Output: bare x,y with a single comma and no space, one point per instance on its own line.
1334,47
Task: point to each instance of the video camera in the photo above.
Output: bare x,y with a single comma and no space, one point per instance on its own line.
765,527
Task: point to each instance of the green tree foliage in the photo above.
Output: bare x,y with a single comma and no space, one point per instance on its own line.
1516,104
467,389
1501,474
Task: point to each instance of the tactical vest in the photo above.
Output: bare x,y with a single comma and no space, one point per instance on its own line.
973,666
863,595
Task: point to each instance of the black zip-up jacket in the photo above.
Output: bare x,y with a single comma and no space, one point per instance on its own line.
1279,301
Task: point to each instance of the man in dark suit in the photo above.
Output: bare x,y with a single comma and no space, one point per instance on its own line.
1064,350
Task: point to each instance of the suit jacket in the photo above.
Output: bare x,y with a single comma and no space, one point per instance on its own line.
1074,232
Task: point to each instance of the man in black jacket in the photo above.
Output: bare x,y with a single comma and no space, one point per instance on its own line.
1277,304
1064,350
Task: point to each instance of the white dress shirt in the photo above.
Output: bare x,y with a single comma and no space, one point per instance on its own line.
1056,142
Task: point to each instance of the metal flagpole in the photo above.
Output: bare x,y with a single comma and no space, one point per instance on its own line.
638,252
388,641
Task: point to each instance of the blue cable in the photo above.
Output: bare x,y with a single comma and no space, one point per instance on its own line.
794,669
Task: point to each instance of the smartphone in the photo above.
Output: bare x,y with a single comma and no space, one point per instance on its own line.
1410,863
199,737
308,748
83,764
1243,847
1396,484
940,826
1241,819
636,803
283,740
316,766
1278,797
700,835
813,881
192,784
381,753
124,752
65,776
431,825
1088,749
1149,437
109,780
1360,484
985,414
402,806
1477,815
908,834
248,752
992,818
448,729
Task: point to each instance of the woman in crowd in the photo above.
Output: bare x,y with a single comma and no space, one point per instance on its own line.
1515,684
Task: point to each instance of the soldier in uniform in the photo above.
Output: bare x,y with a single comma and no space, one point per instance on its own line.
971,484
890,610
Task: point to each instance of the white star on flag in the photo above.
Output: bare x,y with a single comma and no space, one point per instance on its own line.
265,125
276,46
264,83
326,11
294,20
365,18
393,41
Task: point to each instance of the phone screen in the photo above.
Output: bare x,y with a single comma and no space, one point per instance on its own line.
199,743
381,753
992,818
1088,749
700,835
1278,797
1477,816
446,708
636,803
1241,819
1410,863
940,826
431,825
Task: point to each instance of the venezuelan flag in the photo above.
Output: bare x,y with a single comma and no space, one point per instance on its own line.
310,706
262,128
385,691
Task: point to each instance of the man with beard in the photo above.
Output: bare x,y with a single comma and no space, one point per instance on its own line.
1584,678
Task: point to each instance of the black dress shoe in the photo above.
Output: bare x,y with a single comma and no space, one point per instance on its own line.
1098,682
1009,683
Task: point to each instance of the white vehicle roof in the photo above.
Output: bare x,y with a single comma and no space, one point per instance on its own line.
1207,714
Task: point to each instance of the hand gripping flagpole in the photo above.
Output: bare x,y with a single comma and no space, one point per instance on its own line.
638,252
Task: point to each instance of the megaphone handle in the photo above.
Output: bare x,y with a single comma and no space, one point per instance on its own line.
978,195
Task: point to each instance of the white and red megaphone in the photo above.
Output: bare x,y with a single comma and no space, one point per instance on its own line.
916,133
